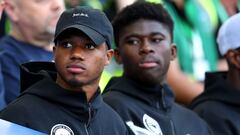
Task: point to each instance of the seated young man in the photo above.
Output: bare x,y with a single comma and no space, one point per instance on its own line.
67,100
143,33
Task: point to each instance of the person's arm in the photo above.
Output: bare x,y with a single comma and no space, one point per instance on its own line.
2,5
184,88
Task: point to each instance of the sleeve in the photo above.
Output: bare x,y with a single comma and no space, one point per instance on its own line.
2,91
16,114
9,77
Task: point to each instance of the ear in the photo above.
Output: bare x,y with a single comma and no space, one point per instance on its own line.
234,58
108,57
118,56
2,6
11,10
54,52
173,51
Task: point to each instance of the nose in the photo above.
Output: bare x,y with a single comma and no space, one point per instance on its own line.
58,5
146,48
77,53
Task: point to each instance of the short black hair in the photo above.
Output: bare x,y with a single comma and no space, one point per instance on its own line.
141,10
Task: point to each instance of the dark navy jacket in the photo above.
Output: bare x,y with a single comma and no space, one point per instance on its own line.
13,53
46,107
219,104
151,110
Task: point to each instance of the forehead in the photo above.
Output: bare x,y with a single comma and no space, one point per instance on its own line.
144,28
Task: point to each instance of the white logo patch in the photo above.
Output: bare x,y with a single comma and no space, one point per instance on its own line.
151,127
80,14
61,129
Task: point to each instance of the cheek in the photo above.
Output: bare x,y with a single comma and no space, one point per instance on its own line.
96,62
59,57
130,55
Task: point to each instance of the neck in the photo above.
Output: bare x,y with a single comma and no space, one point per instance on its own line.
89,89
233,76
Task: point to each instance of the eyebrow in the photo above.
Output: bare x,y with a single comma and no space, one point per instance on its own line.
140,35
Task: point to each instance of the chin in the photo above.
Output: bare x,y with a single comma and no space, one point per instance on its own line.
75,83
151,80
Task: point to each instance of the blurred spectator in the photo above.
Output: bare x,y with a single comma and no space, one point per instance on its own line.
33,26
222,89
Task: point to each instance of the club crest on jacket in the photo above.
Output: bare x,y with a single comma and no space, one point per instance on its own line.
61,129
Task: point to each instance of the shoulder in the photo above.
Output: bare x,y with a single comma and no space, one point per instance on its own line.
117,100
8,42
210,109
182,114
209,106
219,116
9,50
16,112
108,115
111,113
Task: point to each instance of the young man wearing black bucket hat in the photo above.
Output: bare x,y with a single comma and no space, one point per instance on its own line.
64,98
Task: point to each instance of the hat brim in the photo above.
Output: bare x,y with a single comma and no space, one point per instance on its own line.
91,33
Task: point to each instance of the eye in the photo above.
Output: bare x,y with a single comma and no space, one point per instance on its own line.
90,46
65,44
156,40
133,41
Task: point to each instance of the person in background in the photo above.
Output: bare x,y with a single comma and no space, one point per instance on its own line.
2,5
32,28
64,97
219,103
144,33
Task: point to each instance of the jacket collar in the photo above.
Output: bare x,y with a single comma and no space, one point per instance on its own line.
150,95
45,87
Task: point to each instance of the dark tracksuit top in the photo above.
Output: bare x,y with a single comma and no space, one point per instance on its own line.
219,105
151,110
48,108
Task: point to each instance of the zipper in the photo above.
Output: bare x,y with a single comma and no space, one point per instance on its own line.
172,126
86,125
168,113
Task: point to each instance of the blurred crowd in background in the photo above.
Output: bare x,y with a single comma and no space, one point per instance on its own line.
196,26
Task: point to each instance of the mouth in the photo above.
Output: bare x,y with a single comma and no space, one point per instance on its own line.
76,68
148,64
